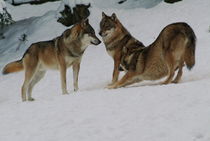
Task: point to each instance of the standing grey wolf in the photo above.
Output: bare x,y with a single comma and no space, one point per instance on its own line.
116,39
173,48
59,53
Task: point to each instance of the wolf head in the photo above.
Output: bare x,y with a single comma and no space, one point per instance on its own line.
108,25
88,34
83,32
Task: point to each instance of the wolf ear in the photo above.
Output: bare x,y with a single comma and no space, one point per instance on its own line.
103,15
89,5
114,17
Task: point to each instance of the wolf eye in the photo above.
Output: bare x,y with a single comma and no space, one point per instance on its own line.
91,34
107,27
106,24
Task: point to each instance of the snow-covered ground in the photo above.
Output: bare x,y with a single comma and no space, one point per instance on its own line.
127,4
2,6
142,112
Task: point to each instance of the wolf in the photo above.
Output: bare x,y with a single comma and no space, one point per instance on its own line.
173,49
59,54
116,39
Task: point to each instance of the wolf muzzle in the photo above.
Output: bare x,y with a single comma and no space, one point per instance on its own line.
100,33
96,41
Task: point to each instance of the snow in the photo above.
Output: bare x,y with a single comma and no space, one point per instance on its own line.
143,112
127,4
71,4
2,6
25,11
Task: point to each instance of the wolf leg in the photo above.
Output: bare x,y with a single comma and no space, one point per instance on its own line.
169,78
170,62
132,81
62,68
179,74
128,78
171,73
76,68
29,73
135,80
116,71
37,77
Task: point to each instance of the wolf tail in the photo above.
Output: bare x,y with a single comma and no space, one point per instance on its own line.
15,66
189,56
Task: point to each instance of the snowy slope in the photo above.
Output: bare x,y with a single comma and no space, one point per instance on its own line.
2,6
127,4
142,112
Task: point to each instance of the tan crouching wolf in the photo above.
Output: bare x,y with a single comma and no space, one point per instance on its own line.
116,37
60,53
173,48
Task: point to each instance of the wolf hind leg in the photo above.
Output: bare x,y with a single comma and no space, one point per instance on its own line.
170,69
179,74
170,77
29,74
37,77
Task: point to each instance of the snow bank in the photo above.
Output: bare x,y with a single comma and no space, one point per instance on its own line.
72,3
35,29
2,6
127,4
19,1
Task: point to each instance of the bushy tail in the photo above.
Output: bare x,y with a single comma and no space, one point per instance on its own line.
190,48
13,67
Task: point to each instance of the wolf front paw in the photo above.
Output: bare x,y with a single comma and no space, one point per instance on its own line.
31,99
23,100
65,92
76,89
113,86
164,83
175,81
110,84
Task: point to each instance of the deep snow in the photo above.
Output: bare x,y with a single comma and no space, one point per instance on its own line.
142,112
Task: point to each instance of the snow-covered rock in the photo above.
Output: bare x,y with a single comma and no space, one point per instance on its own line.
5,16
2,6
